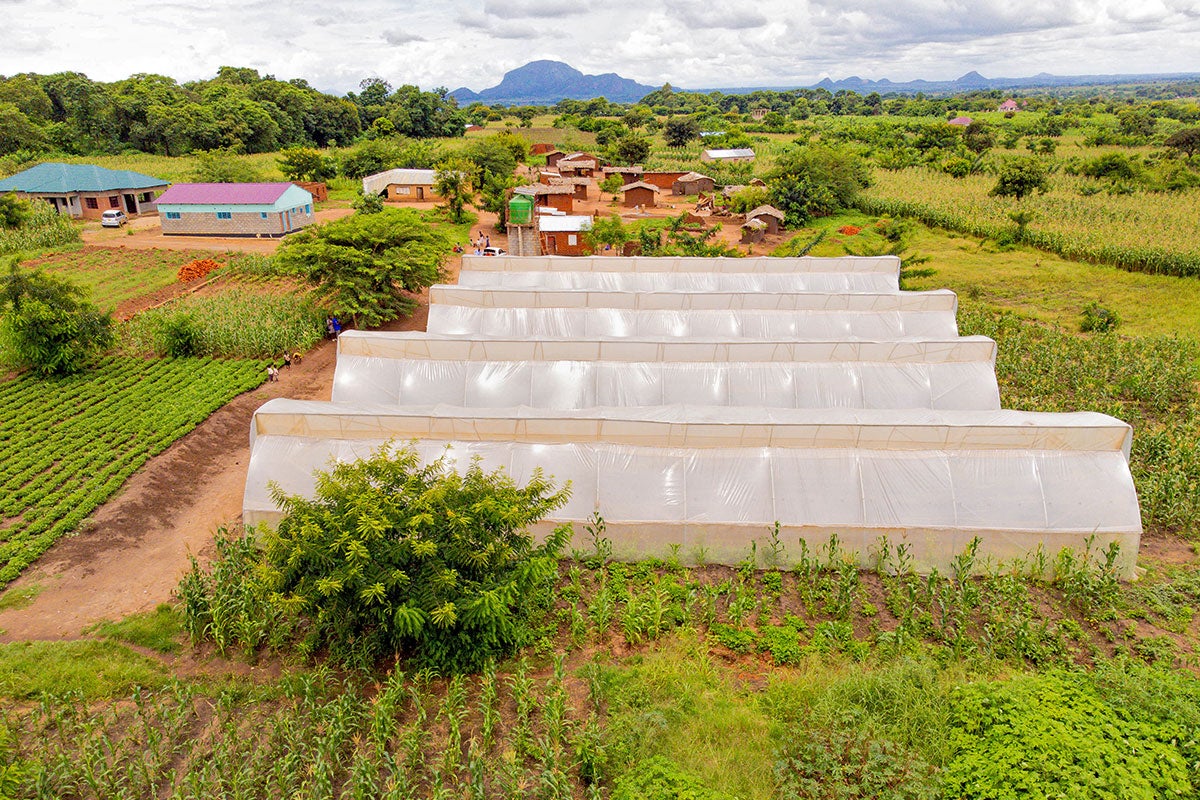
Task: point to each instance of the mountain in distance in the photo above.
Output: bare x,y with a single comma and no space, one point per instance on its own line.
972,81
546,82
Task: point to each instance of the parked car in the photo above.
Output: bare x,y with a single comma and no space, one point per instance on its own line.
493,251
113,218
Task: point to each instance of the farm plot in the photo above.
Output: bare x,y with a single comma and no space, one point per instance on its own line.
67,445
113,276
1142,231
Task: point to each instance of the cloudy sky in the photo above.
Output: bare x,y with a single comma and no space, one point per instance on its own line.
690,43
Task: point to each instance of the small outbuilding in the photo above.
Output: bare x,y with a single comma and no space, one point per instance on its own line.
235,209
563,235
663,180
961,121
576,167
85,190
770,216
541,148
753,231
692,183
403,184
628,174
580,185
640,193
739,155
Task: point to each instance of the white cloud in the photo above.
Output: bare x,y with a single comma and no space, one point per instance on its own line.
690,43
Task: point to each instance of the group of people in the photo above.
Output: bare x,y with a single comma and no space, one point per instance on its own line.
288,360
480,242
333,327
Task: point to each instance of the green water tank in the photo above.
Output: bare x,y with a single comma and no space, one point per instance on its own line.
520,209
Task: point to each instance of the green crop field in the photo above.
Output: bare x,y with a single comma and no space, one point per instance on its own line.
66,445
112,276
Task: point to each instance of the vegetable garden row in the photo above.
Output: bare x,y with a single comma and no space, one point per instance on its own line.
66,445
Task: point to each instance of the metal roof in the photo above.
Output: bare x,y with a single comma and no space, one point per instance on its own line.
567,223
374,184
741,152
57,178
238,194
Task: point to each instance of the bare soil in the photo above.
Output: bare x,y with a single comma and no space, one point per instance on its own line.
144,233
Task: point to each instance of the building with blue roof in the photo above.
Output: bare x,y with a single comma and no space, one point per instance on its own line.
85,190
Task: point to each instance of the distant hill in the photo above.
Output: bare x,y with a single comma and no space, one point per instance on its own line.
547,82
972,81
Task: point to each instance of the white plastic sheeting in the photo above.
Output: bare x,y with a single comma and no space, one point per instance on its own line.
582,384
942,300
803,264
609,323
718,478
685,281
417,345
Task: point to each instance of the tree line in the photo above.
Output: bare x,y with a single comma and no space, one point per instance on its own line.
67,112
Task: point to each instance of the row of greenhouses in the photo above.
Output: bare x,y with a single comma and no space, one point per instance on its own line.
697,403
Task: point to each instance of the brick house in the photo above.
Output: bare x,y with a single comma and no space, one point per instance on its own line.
86,191
639,194
628,174
692,183
663,180
564,235
402,184
580,185
235,209
771,217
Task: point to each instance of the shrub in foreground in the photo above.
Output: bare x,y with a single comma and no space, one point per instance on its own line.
393,556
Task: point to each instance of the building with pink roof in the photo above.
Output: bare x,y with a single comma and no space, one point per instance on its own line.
234,209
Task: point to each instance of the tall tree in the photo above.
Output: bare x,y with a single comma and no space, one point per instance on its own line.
53,329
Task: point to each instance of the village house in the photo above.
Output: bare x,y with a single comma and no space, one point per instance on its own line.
628,174
753,231
580,185
402,184
86,191
558,197
737,155
961,121
692,183
639,194
770,216
1009,105
576,167
663,180
564,235
541,149
553,156
234,209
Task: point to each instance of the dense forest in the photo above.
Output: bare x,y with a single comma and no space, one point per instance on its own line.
69,113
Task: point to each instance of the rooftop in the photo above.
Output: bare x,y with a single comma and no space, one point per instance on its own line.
57,178
238,194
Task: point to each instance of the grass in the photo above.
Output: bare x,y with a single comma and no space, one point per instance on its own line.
92,669
159,630
20,598
113,276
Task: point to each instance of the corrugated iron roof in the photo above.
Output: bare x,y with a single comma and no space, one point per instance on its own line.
568,223
375,184
740,152
536,189
58,178
236,194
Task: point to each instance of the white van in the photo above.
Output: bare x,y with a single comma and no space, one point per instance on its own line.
113,218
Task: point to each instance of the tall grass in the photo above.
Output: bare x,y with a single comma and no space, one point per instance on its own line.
237,323
43,229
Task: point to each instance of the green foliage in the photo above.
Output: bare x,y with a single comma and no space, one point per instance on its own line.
392,556
679,131
367,203
306,164
364,264
815,180
1186,141
847,761
38,226
50,327
1096,318
608,231
1019,177
157,630
660,778
452,183
90,668
223,165
631,150
749,199
1082,745
237,323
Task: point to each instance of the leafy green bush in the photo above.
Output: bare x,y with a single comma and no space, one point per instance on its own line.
660,778
847,761
180,337
1098,319
49,326
34,225
1050,736
392,556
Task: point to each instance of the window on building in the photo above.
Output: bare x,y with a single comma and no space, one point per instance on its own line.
403,190
308,209
114,202
172,215
91,202
144,197
224,215
262,214
572,239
